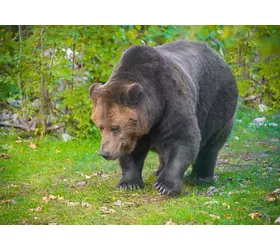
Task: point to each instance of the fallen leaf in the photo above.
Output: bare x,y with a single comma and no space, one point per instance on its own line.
274,196
73,204
228,216
211,215
170,222
118,203
276,192
81,183
2,169
121,203
37,209
48,197
277,221
270,198
99,174
215,216
86,204
32,145
9,201
226,205
256,215
203,212
105,210
52,197
19,140
60,198
57,151
4,156
45,199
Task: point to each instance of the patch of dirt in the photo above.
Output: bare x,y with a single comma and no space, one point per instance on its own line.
246,159
151,199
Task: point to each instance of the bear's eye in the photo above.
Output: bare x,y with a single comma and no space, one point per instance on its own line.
115,129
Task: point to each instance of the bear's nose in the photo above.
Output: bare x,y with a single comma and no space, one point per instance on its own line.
104,154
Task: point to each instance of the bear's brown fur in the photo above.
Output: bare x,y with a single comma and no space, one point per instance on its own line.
177,99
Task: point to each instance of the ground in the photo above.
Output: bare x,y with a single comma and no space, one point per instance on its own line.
49,181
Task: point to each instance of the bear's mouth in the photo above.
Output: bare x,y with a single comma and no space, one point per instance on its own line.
115,157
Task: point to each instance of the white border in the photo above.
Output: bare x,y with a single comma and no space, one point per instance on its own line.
139,237
169,12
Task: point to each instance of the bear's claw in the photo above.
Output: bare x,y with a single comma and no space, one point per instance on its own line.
167,188
129,186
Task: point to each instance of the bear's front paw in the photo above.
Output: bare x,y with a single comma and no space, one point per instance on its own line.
130,185
168,187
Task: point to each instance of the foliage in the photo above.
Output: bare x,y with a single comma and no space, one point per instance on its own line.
57,64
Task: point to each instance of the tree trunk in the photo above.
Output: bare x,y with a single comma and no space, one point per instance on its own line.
43,90
20,52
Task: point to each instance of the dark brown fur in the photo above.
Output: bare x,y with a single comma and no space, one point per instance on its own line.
178,99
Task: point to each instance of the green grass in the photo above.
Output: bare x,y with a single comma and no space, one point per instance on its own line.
248,170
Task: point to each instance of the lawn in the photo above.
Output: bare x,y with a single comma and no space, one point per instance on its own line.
48,181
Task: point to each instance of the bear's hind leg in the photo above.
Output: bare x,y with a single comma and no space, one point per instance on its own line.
203,169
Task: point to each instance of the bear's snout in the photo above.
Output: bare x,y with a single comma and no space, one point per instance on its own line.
104,154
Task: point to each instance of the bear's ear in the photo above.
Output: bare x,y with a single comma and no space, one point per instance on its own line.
132,94
93,91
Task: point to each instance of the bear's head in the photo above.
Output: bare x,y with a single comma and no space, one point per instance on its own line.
117,113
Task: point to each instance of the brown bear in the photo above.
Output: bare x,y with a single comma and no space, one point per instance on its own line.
178,99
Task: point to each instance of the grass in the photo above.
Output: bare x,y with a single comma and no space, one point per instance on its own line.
79,186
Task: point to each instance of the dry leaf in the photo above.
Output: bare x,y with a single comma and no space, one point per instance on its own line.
105,210
256,215
37,209
2,169
118,203
60,198
270,198
73,204
226,205
32,145
99,174
170,222
203,212
52,197
211,215
276,192
4,156
19,140
274,196
57,151
81,183
277,221
121,203
86,204
9,201
48,197
228,216
215,216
